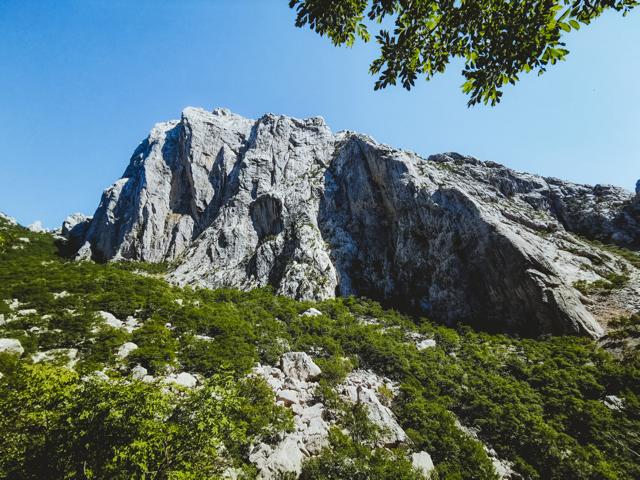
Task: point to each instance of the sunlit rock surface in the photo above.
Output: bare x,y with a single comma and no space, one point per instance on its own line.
286,202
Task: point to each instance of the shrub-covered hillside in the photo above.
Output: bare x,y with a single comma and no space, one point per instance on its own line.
73,406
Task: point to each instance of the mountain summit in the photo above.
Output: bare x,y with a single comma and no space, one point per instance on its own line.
230,201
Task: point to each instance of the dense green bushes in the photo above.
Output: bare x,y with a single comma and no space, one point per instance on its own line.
537,402
56,426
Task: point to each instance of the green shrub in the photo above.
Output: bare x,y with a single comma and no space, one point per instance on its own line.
537,402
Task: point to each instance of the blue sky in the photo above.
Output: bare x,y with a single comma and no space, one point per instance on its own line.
82,82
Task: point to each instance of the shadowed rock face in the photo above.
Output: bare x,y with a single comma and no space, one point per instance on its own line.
287,203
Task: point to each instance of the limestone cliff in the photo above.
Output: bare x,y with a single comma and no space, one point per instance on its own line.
284,202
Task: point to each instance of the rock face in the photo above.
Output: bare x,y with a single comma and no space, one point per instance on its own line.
74,228
285,202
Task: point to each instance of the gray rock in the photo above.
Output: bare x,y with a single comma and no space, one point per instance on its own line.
392,433
10,220
110,319
311,431
68,355
299,366
362,386
638,187
613,402
74,229
139,372
426,343
125,349
131,324
84,253
96,375
287,397
231,473
312,312
36,227
285,457
11,345
422,462
294,388
183,379
287,203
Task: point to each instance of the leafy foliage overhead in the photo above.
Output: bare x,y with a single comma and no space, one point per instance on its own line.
498,40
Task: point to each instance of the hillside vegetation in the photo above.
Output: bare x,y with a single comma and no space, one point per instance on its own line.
541,404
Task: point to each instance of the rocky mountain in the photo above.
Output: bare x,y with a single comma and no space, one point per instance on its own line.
229,201
107,368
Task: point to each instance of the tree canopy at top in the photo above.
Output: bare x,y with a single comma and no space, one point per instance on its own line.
497,39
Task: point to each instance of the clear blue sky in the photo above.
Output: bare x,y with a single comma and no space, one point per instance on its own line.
83,81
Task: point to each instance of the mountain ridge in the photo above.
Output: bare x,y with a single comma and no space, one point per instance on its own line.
285,202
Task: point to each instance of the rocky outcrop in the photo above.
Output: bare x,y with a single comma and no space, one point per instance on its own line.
74,228
8,219
295,391
36,227
299,366
294,387
285,202
363,387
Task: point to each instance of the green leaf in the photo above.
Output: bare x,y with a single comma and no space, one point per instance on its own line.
564,26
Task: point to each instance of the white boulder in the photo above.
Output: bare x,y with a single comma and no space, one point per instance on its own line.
110,319
362,386
422,462
11,345
426,343
183,379
96,375
285,457
138,372
287,397
125,349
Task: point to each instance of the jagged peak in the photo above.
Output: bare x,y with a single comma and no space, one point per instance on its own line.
278,201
